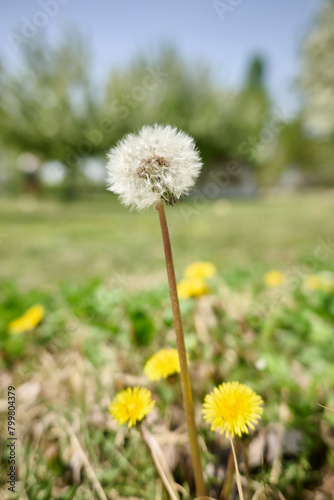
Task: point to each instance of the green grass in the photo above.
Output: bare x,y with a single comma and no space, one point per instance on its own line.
44,243
99,272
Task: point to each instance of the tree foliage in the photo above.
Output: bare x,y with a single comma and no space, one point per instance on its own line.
52,106
317,76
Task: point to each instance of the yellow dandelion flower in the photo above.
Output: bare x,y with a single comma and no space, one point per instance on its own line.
312,282
233,407
192,287
327,281
274,279
200,270
162,364
131,405
31,318
323,281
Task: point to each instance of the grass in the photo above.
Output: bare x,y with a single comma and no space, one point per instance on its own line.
99,272
45,243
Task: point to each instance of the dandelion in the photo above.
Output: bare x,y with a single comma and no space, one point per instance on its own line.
192,287
200,270
323,281
274,279
232,407
162,364
159,163
131,405
28,321
327,281
312,282
156,167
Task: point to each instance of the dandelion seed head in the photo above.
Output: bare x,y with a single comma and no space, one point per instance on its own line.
159,163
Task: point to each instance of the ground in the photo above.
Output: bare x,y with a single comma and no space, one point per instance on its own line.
47,242
98,271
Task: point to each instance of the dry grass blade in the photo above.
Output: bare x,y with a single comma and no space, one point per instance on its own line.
326,407
267,493
88,468
159,462
277,463
204,498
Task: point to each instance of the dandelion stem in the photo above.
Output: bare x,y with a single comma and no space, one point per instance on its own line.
237,473
228,480
184,374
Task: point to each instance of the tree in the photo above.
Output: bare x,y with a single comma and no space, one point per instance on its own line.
165,89
47,104
317,74
168,89
317,83
251,111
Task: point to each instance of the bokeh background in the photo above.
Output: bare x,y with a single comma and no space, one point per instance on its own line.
253,83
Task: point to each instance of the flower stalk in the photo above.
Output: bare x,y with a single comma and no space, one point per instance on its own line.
184,374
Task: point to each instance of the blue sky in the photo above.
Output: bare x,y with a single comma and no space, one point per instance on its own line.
119,30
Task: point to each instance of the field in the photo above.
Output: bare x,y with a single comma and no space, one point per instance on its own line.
98,271
47,243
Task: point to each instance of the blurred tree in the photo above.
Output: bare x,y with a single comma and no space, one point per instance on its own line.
47,103
49,106
250,113
290,150
185,94
255,75
317,75
166,89
317,83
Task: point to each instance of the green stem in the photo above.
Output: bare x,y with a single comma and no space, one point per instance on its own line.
184,374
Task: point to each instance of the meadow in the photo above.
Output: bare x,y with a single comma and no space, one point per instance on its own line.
98,271
47,242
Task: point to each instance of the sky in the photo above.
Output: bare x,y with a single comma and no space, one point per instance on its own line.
224,33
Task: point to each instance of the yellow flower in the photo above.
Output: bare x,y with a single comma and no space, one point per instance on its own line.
200,270
28,321
322,281
312,282
233,407
274,279
192,287
162,364
131,405
327,281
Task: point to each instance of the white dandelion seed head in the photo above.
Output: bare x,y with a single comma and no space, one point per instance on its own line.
159,163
